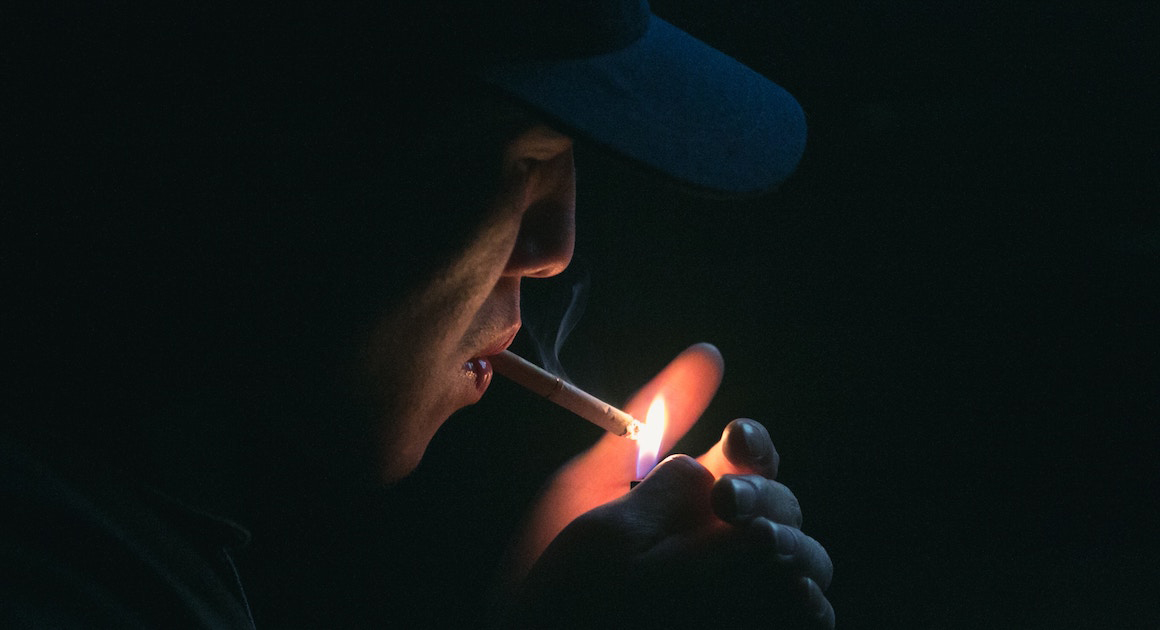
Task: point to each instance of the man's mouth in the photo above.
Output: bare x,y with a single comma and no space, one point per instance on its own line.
502,343
480,368
480,365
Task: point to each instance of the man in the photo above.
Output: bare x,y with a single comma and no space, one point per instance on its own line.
307,231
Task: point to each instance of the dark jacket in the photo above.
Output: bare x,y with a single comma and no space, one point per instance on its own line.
83,552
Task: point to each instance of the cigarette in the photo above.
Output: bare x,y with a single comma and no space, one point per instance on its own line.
566,395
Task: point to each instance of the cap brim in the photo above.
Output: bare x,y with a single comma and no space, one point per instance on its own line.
671,102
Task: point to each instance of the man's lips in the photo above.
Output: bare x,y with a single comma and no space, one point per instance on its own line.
502,344
480,366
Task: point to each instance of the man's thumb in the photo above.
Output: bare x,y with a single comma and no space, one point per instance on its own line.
674,496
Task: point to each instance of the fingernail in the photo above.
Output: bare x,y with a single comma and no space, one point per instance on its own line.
784,539
755,440
744,497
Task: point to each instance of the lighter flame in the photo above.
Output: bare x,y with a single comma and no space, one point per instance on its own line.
648,443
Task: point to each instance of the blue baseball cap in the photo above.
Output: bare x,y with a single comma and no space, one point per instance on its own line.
612,72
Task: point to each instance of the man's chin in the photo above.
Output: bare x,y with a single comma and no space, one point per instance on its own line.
400,454
397,468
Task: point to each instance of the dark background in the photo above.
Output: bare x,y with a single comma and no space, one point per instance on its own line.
946,318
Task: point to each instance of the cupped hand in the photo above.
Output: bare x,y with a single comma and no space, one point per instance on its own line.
718,524
660,557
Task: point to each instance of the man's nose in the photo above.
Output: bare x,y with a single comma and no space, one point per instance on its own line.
547,233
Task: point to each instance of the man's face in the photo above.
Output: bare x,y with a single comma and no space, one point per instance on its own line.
426,359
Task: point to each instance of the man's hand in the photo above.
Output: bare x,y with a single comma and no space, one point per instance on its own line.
710,540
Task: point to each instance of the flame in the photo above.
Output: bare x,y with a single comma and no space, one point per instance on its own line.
648,443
